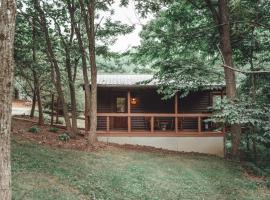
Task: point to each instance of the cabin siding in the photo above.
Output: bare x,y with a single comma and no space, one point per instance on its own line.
198,102
149,101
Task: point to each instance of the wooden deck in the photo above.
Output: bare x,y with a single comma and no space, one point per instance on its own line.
172,124
153,131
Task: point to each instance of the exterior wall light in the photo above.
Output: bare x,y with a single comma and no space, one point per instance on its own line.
133,101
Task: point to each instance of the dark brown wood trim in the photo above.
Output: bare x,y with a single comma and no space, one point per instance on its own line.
129,118
175,112
158,134
195,115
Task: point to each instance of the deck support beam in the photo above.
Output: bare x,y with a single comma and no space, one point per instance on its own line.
128,105
108,123
199,124
176,112
152,124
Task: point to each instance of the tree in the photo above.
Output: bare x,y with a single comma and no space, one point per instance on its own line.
222,20
7,30
89,20
35,76
95,31
54,64
202,26
32,69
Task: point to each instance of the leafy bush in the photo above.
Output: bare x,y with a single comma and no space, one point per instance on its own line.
64,137
60,121
53,129
253,169
34,129
268,182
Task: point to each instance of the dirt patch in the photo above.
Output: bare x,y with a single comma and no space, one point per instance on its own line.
20,130
252,177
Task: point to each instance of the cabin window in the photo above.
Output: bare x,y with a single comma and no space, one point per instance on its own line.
121,104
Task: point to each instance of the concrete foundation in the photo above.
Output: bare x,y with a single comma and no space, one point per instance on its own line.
208,145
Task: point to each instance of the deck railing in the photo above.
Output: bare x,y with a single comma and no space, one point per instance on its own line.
153,117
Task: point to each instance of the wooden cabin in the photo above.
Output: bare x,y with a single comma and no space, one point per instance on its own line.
130,112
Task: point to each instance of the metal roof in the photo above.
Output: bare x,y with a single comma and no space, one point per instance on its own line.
120,80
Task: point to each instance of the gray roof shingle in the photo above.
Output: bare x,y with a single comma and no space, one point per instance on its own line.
115,80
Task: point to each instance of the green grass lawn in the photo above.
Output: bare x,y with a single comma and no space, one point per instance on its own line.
55,174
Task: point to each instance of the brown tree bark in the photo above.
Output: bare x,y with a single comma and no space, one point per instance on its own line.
71,9
40,108
89,19
226,49
93,106
36,79
71,77
53,61
52,109
7,29
221,17
34,101
72,93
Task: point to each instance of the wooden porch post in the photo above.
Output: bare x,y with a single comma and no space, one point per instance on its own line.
176,112
129,118
108,123
152,124
199,124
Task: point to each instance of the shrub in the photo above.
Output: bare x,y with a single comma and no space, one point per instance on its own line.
64,137
34,129
53,129
253,169
268,182
60,121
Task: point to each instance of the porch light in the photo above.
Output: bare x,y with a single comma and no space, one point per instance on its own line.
133,101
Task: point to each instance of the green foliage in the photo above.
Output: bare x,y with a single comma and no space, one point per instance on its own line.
253,169
60,121
34,129
53,129
64,137
252,115
268,182
179,45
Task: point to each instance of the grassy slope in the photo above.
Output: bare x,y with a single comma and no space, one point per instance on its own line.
43,173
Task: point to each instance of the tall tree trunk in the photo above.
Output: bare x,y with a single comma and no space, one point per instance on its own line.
71,8
221,18
71,78
90,29
93,106
226,49
34,101
54,63
57,110
52,109
72,93
36,79
7,29
37,86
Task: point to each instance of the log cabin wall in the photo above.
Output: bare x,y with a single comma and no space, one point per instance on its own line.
198,102
149,101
